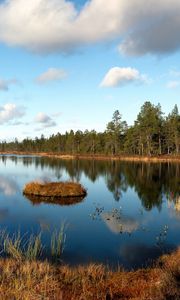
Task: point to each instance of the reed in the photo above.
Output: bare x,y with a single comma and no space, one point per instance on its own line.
57,242
34,247
31,248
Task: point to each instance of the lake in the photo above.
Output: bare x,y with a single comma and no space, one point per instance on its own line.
130,216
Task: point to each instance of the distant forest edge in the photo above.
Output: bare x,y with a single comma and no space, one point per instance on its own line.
153,134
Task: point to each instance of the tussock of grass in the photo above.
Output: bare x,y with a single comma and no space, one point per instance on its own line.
54,189
57,242
41,280
31,248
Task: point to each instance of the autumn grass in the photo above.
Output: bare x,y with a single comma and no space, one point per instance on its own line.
54,189
24,247
25,275
164,158
32,279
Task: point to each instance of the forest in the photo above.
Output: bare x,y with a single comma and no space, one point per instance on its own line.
152,134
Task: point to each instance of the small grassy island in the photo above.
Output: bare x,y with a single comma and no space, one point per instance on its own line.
54,189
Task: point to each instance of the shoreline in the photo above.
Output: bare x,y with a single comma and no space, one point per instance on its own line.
147,159
33,279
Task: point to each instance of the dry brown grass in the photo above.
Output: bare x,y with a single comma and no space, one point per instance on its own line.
41,280
123,157
54,189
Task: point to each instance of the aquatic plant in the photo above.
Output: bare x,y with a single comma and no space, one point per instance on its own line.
23,247
57,242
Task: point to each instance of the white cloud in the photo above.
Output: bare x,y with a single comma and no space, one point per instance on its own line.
45,120
173,84
51,74
152,27
57,26
4,84
120,76
10,112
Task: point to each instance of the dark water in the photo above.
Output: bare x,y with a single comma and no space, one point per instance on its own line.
130,216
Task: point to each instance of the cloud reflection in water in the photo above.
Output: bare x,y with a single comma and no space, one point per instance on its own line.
8,186
118,223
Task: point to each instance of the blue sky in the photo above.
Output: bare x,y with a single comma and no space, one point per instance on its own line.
65,66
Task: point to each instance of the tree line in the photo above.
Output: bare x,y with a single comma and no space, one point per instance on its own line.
152,134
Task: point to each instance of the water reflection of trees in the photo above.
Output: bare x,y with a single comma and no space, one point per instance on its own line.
150,181
147,181
115,180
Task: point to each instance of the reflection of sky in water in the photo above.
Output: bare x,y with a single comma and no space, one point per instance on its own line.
119,224
8,186
4,212
120,220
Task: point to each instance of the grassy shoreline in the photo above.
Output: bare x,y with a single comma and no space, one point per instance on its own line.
42,280
25,274
136,158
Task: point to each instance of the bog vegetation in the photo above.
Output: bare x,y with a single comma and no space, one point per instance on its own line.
26,277
152,134
54,189
24,247
25,273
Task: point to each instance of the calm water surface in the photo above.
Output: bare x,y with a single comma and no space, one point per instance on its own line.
130,216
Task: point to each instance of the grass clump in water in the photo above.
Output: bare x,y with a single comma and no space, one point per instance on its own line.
54,189
57,242
34,247
31,248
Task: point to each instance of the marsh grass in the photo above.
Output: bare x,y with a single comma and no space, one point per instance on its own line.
37,280
34,247
54,189
24,247
24,276
57,242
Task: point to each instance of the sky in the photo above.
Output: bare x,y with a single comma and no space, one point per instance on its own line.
70,64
